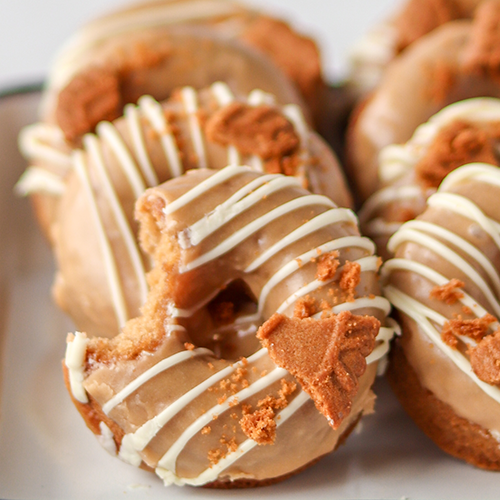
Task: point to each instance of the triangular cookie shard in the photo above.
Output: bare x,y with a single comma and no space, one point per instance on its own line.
327,356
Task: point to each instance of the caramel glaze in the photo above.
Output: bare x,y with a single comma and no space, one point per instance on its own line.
456,237
205,231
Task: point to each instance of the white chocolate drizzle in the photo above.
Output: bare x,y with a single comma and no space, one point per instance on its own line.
440,240
190,99
106,438
76,350
163,365
117,295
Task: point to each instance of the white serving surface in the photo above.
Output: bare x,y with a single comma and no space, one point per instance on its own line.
46,452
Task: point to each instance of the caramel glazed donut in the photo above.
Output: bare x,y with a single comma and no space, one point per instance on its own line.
445,282
463,132
454,62
228,260
154,47
101,271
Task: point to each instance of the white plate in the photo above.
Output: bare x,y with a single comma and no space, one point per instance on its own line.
46,452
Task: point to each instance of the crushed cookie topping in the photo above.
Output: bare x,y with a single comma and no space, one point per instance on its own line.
449,293
483,52
89,98
443,76
260,130
350,278
330,378
420,17
458,143
188,346
485,359
260,425
475,329
328,264
305,307
227,446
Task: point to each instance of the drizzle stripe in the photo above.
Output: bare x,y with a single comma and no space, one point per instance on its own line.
322,220
132,115
254,226
190,100
108,257
154,112
159,367
93,149
169,459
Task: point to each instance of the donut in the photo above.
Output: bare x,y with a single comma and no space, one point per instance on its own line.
444,283
101,270
463,132
259,341
371,55
452,63
154,47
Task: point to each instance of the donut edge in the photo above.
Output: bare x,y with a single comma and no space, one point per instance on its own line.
455,435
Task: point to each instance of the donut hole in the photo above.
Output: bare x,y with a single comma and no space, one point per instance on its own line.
234,317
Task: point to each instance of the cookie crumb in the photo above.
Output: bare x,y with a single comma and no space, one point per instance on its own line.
350,279
475,329
328,264
485,359
449,293
305,307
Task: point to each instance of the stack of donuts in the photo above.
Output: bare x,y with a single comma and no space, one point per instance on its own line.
229,319
423,153
231,315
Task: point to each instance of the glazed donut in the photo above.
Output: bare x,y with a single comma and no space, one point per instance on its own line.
154,47
232,253
464,132
454,62
444,282
371,55
101,271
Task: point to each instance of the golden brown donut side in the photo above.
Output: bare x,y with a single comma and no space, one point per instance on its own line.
453,434
443,282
